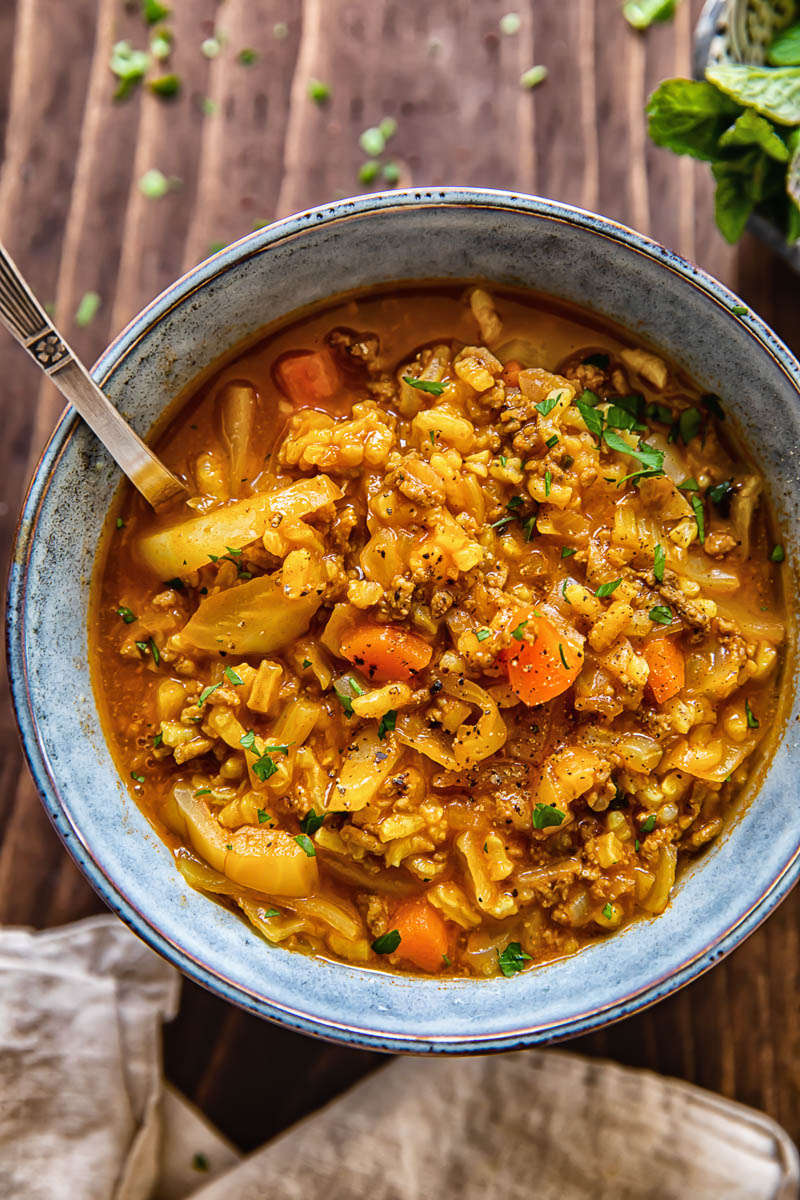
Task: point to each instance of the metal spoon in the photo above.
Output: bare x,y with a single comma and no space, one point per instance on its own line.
24,318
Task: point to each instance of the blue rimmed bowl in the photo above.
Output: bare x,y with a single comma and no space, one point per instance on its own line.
443,233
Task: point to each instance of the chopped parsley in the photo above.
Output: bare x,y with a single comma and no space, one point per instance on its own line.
311,822
739,310
512,959
515,502
483,634
165,85
649,824
548,479
446,960
120,523
690,423
659,562
206,692
424,385
752,720
138,778
589,397
154,184
153,11
158,738
699,516
568,551
689,485
606,589
248,739
564,590
545,815
529,528
143,646
592,419
501,524
126,614
387,943
263,817
533,77
306,663
548,404
519,632
368,172
618,417
660,413
777,554
306,845
129,66
608,911
233,678
264,767
721,495
202,792
247,56
387,723
661,614
650,458
271,912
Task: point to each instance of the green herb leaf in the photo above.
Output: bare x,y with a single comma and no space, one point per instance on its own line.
772,91
271,912
784,50
568,551
563,658
606,589
548,479
87,309
777,554
233,678
752,720
248,739
424,385
387,723
608,911
311,822
650,458
153,11
750,129
502,522
483,634
202,792
263,816
387,943
154,652
120,523
618,417
510,24
515,502
345,701
689,117
721,495
129,66
512,959
548,404
446,960
126,614
649,824
713,403
154,184
138,778
739,310
206,692
157,740
368,172
591,417
589,397
161,44
318,91
661,614
529,528
306,663
699,516
519,632
690,422
264,768
545,815
660,413
165,86
642,13
551,441
689,485
659,562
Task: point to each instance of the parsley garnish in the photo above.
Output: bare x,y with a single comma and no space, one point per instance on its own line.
264,767
519,632
232,677
501,524
318,91
589,397
206,692
608,911
661,614
649,824
752,720
777,554
660,413
165,85
446,960
483,634
157,740
592,419
659,562
138,778
699,516
721,495
548,404
568,551
311,822
515,502
650,458
387,943
263,816
564,591
143,646
606,589
512,959
306,845
120,523
387,723
424,385
545,815
618,417
345,701
271,912
689,424
126,614
306,662
689,485
248,739
529,528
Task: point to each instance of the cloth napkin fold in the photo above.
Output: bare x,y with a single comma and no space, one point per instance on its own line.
85,1115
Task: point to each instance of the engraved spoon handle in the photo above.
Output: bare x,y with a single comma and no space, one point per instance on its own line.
27,321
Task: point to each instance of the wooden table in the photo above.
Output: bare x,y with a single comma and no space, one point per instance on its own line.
248,145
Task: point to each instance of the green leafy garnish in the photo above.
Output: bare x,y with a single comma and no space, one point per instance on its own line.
548,404
154,184
713,403
138,778
306,845
87,309
689,485
661,614
483,634
202,792
618,417
568,551
369,171
606,589
774,92
608,911
263,817
752,720
589,397
739,310
690,422
319,91
143,646
311,822
533,77
120,523
591,417
248,739
777,554
545,815
650,458
649,825
129,66
551,441
271,912
784,50
157,740
548,479
233,678
660,413
206,692
446,960
563,659
512,959
387,723
642,13
515,502
264,767
165,85
387,943
699,516
154,652
529,528
372,141
659,562
519,632
721,495
424,385
126,614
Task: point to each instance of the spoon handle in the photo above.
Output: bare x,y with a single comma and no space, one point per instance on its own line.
26,320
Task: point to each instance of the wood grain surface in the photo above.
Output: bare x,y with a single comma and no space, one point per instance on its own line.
248,145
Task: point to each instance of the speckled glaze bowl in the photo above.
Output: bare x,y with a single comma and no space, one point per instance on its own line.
519,240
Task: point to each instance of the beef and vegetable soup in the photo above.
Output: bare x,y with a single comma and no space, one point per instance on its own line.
466,641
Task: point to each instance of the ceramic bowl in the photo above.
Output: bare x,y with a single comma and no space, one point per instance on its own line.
444,233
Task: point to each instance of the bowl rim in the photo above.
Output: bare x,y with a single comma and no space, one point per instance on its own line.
253,244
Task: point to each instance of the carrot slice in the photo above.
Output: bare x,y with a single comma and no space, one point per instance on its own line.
423,934
667,668
307,377
543,665
385,651
510,373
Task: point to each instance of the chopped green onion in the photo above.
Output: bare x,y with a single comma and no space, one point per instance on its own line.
126,614
233,677
533,77
483,634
